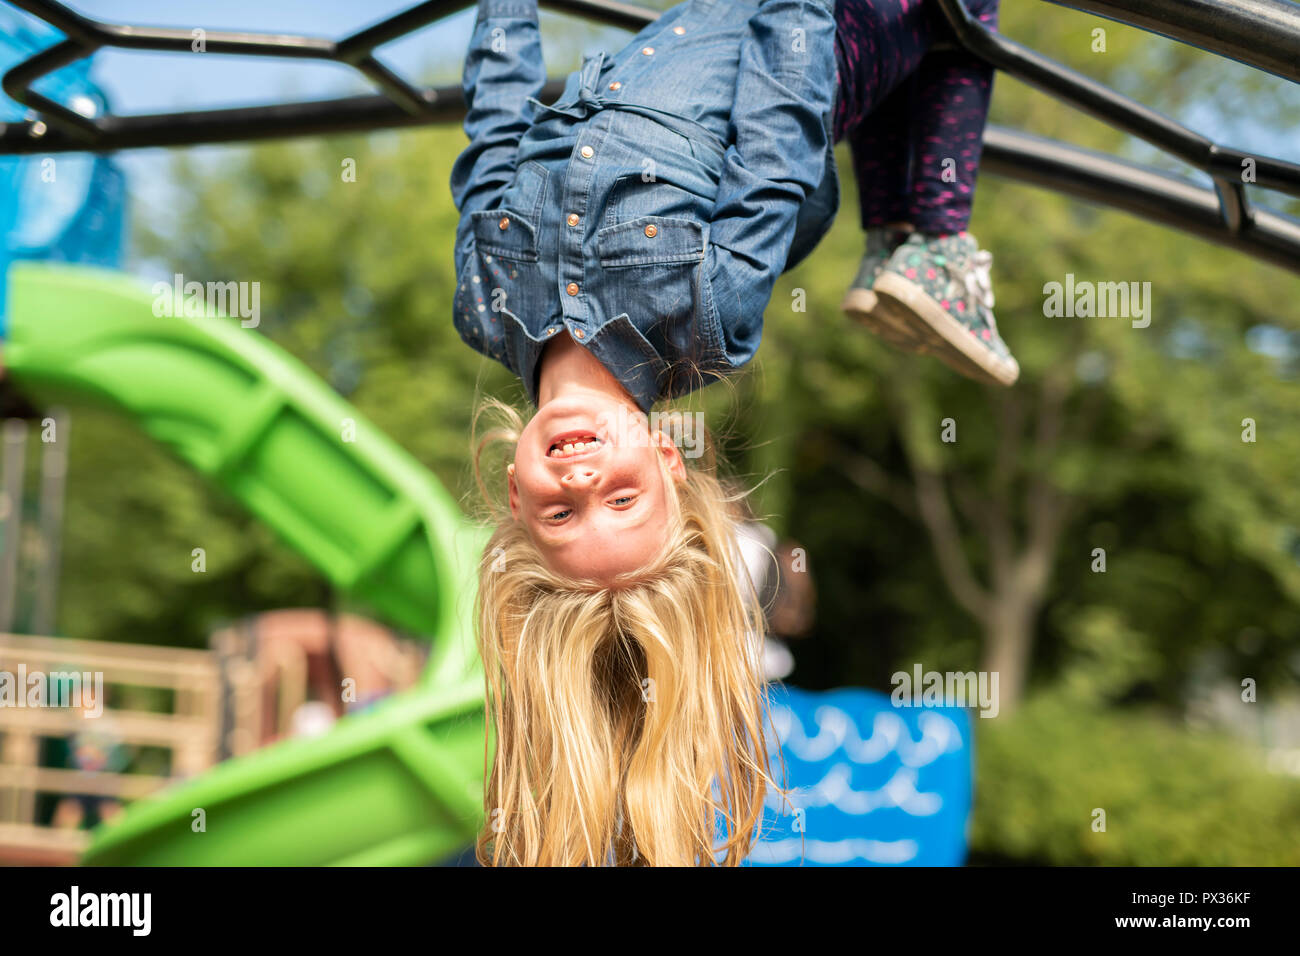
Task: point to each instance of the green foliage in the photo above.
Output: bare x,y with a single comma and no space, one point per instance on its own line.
1171,798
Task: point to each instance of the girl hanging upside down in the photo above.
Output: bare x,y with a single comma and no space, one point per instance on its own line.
616,250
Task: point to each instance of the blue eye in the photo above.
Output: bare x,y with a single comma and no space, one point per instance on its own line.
559,515
625,498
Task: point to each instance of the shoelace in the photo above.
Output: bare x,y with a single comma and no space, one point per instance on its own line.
978,282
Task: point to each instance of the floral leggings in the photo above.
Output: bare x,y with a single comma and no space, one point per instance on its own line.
911,115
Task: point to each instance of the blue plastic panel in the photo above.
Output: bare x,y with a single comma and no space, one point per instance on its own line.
874,784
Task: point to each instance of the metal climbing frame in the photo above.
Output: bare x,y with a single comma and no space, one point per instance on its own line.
1264,34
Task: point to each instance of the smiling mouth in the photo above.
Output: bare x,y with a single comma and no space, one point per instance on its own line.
573,445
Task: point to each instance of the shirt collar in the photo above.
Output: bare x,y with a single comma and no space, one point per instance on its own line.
617,344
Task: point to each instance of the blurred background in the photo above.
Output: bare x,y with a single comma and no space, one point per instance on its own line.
1121,688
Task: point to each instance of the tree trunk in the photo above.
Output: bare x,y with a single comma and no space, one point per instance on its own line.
1008,639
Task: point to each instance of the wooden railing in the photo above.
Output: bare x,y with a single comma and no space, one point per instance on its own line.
225,702
191,732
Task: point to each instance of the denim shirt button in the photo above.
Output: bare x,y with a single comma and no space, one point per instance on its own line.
573,219
651,231
571,288
587,152
505,222
648,50
577,333
615,85
679,30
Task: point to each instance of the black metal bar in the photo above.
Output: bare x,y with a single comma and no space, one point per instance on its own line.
355,114
1264,34
1270,173
167,40
66,21
408,97
95,33
18,82
1105,104
395,27
1145,192
1234,208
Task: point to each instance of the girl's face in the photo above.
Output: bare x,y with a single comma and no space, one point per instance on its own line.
588,484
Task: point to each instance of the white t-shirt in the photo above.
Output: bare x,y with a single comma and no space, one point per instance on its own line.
757,545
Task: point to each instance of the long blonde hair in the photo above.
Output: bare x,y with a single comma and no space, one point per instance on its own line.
628,720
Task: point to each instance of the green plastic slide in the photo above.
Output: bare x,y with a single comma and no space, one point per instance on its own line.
400,784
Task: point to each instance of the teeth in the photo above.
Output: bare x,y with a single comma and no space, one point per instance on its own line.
573,448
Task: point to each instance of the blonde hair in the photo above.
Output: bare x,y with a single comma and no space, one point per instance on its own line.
629,720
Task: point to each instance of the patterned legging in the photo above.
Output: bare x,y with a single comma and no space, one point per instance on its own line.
909,114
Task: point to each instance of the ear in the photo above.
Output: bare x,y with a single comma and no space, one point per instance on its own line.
672,457
514,490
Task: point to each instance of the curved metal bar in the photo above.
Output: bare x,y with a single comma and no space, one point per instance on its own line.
18,82
1145,192
1264,34
1105,104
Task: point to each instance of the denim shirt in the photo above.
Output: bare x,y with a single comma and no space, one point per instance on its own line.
651,208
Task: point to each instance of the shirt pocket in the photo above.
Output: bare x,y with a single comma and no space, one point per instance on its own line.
652,266
510,230
632,195
497,282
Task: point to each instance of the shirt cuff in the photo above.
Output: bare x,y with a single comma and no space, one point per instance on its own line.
499,9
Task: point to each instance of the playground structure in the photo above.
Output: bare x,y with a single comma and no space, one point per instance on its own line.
283,671
402,783
262,674
189,734
375,523
1264,34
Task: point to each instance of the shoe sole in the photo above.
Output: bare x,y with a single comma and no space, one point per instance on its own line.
863,307
941,335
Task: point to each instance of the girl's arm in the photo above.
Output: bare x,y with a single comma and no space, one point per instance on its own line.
784,89
502,69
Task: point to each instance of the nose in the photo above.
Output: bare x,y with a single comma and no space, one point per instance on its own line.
581,477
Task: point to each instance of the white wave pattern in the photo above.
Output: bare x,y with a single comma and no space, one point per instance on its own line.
835,790
834,851
836,730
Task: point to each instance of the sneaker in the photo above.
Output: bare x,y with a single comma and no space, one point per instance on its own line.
939,288
860,302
